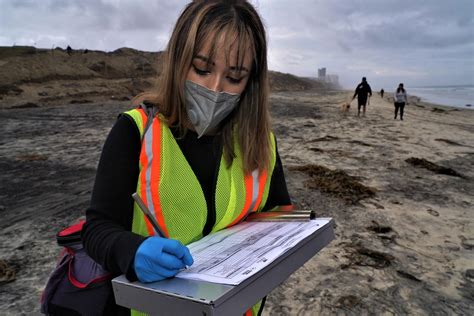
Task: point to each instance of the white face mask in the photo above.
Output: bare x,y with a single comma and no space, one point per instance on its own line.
206,108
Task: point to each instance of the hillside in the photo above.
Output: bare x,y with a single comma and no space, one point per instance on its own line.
43,76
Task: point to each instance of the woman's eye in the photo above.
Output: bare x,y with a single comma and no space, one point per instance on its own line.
233,80
201,72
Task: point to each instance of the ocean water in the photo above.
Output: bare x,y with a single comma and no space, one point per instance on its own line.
457,96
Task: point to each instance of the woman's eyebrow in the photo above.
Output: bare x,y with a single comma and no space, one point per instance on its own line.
239,69
204,58
232,68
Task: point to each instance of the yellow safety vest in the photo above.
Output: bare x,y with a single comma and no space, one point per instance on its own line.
172,192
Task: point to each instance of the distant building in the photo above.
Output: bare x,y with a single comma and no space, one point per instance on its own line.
330,79
334,79
321,73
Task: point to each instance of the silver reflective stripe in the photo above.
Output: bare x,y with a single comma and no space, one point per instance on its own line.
149,155
255,190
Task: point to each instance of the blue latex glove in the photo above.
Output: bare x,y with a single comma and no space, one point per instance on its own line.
159,258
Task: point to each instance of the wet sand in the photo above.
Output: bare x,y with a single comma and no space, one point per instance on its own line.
405,248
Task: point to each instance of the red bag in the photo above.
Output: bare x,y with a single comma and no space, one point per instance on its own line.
78,285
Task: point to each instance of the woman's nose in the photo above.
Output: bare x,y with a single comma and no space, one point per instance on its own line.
215,84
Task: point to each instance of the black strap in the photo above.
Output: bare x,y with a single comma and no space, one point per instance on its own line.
151,111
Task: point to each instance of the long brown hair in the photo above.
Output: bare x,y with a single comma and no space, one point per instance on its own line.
241,25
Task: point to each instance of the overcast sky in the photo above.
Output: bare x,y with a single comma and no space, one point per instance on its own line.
418,42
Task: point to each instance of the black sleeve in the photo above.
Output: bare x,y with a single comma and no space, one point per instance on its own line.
107,235
278,193
356,91
370,90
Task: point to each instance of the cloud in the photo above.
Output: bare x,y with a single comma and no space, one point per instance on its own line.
400,38
384,39
96,24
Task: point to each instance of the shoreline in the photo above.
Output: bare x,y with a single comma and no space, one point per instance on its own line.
444,105
414,100
419,101
458,96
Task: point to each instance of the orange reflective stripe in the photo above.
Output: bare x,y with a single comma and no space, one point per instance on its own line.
248,180
261,187
144,117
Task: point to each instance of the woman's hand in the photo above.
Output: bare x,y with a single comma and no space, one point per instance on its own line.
159,258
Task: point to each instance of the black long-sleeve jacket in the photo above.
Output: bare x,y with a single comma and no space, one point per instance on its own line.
362,90
107,234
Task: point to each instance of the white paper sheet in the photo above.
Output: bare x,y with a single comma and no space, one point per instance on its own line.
234,254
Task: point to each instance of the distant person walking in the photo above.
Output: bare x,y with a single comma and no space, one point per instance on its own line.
363,93
381,93
400,97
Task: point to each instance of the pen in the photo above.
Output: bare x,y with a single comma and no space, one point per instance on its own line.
148,215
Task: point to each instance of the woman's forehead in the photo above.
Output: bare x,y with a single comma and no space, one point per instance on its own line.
225,47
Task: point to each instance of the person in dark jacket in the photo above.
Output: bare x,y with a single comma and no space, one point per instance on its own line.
363,93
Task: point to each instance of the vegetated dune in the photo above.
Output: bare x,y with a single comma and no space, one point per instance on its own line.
56,76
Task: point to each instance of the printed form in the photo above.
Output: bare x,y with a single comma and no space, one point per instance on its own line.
232,255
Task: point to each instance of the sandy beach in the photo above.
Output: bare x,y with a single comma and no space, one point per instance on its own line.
400,193
408,248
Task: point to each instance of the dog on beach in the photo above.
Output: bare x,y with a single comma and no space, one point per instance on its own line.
345,107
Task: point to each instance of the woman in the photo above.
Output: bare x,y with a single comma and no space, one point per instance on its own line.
199,152
401,98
